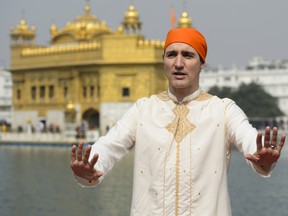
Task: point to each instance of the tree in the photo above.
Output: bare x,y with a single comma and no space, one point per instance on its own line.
252,98
221,92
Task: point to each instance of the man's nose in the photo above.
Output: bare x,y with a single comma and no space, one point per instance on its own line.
179,62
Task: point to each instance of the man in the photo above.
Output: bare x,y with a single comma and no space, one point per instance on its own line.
182,139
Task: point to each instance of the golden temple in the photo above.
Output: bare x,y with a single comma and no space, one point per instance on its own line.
89,74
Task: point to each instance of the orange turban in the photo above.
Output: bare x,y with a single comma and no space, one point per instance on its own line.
189,36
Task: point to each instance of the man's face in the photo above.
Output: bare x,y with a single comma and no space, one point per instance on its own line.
182,67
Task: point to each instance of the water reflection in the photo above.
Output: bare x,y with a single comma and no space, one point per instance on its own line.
38,181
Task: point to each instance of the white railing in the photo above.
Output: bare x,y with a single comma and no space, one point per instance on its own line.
66,137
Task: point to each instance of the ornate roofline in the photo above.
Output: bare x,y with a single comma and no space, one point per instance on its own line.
60,49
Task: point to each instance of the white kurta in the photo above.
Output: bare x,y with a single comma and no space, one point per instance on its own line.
182,153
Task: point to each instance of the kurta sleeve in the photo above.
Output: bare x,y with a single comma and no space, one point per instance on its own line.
243,135
115,144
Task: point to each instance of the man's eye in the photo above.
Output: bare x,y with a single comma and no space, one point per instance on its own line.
170,54
188,55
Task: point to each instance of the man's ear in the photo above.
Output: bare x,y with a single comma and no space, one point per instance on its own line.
203,65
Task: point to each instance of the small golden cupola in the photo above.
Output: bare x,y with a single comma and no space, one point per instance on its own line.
53,30
84,28
184,21
22,34
131,23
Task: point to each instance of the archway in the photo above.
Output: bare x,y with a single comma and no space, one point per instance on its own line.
91,116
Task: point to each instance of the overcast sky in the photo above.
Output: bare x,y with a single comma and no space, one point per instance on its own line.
235,30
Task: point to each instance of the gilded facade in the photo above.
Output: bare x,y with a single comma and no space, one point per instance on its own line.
88,74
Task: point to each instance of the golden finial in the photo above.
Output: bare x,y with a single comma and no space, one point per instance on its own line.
184,21
53,29
87,8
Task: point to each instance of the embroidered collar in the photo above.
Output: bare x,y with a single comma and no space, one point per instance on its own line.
187,99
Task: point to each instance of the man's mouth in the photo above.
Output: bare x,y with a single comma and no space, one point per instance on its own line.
179,75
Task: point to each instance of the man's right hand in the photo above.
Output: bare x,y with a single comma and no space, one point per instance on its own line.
80,164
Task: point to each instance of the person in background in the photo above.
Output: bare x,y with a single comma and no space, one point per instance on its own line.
182,139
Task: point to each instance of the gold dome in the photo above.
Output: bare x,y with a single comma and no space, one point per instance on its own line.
131,19
184,21
83,28
23,30
131,16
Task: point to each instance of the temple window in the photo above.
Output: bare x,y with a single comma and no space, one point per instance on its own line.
84,91
51,91
42,92
33,92
125,92
65,91
18,94
98,89
92,93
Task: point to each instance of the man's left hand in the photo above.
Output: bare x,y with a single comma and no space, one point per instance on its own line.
268,152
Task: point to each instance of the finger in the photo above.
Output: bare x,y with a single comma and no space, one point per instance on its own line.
99,174
252,158
274,136
73,153
267,137
79,151
95,177
87,154
94,160
259,141
281,143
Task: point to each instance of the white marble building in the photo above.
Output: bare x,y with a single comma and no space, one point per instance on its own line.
5,96
271,75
